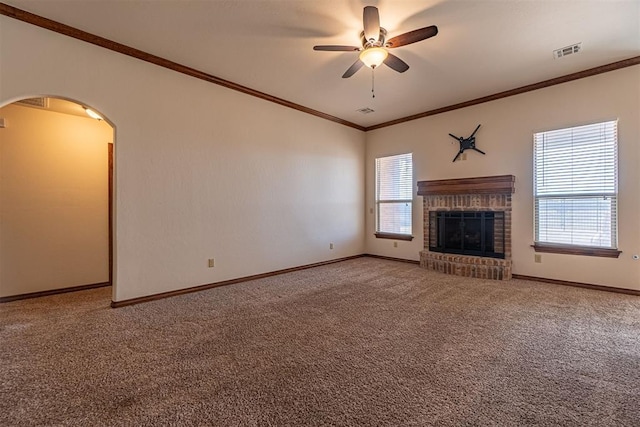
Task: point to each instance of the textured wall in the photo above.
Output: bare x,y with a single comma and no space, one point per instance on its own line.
506,136
201,171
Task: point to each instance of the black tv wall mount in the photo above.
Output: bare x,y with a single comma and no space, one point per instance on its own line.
467,143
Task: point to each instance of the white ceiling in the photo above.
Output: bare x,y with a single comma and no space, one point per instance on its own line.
483,46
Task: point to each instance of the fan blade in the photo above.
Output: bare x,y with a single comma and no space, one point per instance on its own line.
412,36
396,63
336,48
371,21
352,70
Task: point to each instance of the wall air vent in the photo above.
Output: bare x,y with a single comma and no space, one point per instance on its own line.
365,110
35,102
567,50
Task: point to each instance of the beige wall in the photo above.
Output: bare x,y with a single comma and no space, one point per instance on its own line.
506,136
205,172
201,171
53,201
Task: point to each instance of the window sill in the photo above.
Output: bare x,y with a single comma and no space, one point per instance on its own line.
406,237
576,250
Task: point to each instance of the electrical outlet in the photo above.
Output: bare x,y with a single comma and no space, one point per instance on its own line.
395,244
537,258
330,245
211,263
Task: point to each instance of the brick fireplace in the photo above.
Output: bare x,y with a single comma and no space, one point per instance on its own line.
470,201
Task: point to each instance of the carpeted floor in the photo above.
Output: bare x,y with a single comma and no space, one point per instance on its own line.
361,342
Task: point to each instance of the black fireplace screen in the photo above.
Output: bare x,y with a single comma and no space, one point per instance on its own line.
468,233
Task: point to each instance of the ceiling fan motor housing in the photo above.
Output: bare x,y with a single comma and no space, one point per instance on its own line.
376,43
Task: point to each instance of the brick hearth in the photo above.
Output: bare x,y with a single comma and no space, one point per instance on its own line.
468,194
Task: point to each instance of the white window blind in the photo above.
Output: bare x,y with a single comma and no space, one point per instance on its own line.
394,194
576,185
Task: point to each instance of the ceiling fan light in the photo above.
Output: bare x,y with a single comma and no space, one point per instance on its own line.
373,56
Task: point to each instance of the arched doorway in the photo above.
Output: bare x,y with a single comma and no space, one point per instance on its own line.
56,192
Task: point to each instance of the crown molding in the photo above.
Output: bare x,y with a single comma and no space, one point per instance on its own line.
58,27
629,62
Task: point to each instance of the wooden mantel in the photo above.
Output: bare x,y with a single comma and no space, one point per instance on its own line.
501,184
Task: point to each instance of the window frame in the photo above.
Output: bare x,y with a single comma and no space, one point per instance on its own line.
574,249
378,202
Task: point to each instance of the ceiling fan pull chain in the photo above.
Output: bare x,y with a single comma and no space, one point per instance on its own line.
373,80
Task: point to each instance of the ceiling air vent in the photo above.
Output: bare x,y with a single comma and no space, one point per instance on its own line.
365,110
35,102
568,50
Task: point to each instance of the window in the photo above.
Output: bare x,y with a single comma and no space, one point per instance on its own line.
394,196
576,190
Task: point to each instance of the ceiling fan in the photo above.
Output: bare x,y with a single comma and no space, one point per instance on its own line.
374,50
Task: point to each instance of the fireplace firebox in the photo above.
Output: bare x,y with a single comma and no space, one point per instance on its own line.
476,233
